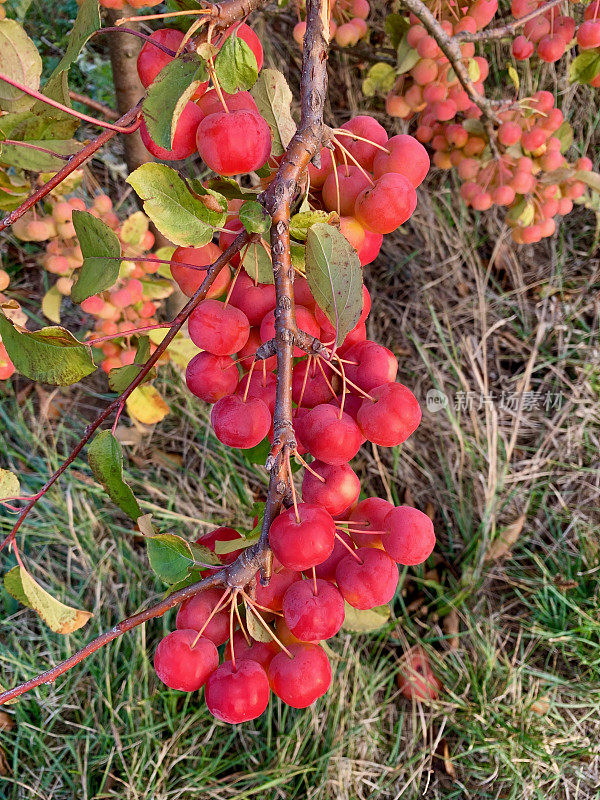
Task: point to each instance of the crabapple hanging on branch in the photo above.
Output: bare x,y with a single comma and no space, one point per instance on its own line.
282,363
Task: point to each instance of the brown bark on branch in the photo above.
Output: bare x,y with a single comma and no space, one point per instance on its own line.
124,50
505,30
74,163
451,49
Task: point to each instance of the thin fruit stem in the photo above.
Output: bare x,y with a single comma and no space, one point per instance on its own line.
336,178
353,385
325,378
122,334
308,365
243,630
292,487
231,612
347,546
222,602
344,388
308,466
347,153
148,17
314,580
253,607
42,97
248,379
342,132
232,285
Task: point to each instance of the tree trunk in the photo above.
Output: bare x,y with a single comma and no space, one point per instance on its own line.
124,50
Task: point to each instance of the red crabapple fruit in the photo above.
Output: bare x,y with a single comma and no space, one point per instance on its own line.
234,143
338,490
237,693
411,538
303,678
312,616
220,329
367,578
384,206
240,424
182,665
194,612
303,542
211,377
391,417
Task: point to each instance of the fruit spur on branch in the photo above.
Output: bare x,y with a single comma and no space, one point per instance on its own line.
270,245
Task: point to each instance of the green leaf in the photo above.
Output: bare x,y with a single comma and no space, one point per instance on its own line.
101,252
254,217
121,377
50,355
591,179
20,157
169,204
274,101
300,223
365,621
51,303
565,134
9,484
235,65
335,278
19,60
157,289
585,67
168,95
229,189
298,254
380,79
13,190
255,629
257,262
87,23
57,616
396,26
407,57
106,460
170,556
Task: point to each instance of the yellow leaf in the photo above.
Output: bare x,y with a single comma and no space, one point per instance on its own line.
51,304
146,405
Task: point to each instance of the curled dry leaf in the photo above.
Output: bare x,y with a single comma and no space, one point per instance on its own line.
505,540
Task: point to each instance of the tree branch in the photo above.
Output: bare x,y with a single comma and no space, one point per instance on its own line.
451,49
176,325
505,30
277,199
74,163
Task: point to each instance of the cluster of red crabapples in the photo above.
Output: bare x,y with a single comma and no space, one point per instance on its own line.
431,84
125,306
329,549
528,175
119,4
347,22
551,32
369,181
227,131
